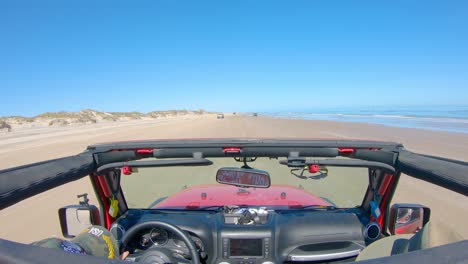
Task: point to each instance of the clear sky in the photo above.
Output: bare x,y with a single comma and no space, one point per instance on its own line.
230,55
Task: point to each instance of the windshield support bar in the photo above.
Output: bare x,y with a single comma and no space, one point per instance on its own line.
155,163
338,163
246,152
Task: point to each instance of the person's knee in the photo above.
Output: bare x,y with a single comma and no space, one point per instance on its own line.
95,240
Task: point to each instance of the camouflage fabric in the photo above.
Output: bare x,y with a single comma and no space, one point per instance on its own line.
98,241
62,244
95,240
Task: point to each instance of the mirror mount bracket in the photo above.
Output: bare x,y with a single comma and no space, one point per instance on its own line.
85,201
296,162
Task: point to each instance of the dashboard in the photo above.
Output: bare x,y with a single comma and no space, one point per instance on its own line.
252,235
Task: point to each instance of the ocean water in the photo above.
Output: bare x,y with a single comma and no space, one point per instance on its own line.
441,118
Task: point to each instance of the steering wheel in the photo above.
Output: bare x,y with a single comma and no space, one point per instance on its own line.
158,254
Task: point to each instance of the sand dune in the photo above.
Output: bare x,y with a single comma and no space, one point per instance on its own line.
89,117
36,218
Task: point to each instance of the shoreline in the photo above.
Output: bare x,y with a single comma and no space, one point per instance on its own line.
366,124
463,130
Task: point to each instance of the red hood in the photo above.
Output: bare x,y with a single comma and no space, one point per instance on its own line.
219,195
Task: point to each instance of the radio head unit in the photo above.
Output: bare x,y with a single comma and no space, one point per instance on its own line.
246,247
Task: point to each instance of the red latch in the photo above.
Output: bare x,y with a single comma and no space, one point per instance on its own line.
127,170
232,150
314,168
345,150
144,151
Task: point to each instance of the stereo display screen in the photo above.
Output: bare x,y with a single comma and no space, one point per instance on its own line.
245,247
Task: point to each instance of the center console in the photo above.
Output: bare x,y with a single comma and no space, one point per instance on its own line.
246,237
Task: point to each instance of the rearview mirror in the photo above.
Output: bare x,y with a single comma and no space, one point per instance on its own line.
75,218
408,218
243,177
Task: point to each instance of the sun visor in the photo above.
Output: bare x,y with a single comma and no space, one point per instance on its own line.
22,182
450,174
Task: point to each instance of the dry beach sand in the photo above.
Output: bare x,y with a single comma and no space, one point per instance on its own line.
36,217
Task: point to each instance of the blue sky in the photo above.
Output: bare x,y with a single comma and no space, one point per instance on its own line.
231,55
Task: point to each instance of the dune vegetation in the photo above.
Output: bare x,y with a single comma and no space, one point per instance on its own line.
5,126
89,116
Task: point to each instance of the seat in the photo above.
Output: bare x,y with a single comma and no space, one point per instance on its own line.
428,236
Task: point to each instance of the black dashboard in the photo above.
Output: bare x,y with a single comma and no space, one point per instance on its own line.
252,235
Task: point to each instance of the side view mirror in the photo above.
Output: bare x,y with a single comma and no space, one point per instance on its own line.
408,218
75,218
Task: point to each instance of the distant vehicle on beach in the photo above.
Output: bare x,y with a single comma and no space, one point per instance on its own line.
220,116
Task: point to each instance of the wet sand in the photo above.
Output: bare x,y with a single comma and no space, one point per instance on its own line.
36,217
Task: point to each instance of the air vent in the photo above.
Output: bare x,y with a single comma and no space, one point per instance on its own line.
117,231
372,231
